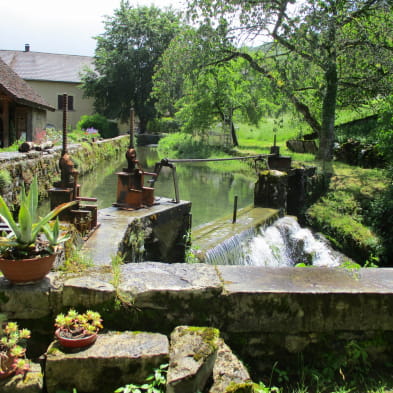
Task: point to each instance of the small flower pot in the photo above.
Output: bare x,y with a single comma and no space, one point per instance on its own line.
80,342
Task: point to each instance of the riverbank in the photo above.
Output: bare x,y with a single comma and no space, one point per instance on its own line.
343,214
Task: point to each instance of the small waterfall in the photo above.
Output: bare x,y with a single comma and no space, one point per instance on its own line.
231,251
285,243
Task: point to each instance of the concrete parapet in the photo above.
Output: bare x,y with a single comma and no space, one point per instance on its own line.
157,232
261,312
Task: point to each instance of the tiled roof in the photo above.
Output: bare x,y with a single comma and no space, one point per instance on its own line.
39,66
13,85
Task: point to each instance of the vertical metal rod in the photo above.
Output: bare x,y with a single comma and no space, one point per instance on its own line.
132,126
234,210
65,99
177,199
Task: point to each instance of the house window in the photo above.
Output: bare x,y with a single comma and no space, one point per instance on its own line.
70,102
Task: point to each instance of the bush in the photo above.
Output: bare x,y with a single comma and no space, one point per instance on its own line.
381,212
181,145
164,125
106,128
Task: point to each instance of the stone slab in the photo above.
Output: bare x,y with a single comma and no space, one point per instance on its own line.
300,300
28,301
114,360
193,352
314,280
31,383
90,290
228,369
106,241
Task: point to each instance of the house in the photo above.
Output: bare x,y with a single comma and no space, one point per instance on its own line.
51,75
23,112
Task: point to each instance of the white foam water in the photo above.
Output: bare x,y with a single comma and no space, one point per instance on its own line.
284,243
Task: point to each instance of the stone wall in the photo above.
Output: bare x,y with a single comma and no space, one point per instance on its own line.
264,314
21,167
292,191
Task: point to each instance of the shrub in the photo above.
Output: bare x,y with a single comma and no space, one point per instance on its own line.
106,128
181,145
164,125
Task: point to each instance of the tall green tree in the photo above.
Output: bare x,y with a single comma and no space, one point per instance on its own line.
124,60
203,96
323,53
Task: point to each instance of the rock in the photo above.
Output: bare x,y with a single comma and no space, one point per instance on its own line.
31,383
193,352
116,359
228,369
30,301
271,189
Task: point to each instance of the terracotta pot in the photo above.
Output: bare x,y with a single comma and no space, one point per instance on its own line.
26,270
75,342
8,366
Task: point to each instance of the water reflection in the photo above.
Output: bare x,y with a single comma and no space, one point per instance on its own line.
211,192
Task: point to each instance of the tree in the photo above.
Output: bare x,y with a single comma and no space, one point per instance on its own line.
124,61
201,97
321,51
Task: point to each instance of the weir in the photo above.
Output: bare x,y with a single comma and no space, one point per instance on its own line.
282,243
222,237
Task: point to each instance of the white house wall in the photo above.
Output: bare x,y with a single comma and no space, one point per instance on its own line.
51,90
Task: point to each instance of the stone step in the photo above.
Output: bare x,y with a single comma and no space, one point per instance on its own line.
115,359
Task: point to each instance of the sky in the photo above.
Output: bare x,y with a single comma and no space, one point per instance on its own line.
53,26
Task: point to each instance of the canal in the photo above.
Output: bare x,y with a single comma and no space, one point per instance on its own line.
211,190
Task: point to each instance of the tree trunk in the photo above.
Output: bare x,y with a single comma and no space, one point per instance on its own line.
142,125
233,135
326,136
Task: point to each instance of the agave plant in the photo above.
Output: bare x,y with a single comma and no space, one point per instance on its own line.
25,238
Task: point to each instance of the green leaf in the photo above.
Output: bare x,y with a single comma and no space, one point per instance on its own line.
6,215
25,224
32,199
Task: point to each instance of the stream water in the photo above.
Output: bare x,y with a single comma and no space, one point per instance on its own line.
212,194
211,191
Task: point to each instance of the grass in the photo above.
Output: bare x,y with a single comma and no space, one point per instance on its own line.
342,214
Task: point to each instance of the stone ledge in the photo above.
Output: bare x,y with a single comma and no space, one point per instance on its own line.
114,360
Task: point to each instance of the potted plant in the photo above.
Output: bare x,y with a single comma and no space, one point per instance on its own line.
12,353
28,252
75,330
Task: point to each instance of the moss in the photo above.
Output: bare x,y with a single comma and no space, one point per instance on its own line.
210,338
244,387
340,220
5,179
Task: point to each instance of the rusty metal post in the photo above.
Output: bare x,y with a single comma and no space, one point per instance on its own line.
65,99
132,126
234,210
